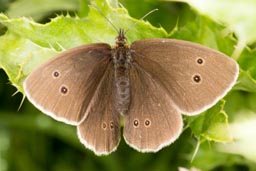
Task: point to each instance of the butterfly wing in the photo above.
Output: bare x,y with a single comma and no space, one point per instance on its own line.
64,86
153,120
195,76
100,130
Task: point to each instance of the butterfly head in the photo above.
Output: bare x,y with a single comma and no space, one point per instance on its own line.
121,39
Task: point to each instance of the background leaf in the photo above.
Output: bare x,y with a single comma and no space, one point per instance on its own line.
40,8
212,125
240,17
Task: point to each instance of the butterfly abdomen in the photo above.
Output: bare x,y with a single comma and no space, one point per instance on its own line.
121,60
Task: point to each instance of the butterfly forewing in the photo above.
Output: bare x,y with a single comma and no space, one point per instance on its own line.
100,130
57,87
153,121
195,77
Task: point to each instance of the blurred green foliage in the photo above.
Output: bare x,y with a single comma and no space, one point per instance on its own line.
238,17
30,140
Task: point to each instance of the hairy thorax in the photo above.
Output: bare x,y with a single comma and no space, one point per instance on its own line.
122,94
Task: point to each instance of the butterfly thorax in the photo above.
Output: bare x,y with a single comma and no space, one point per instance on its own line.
121,61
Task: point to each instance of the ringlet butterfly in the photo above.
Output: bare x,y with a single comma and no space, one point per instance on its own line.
150,83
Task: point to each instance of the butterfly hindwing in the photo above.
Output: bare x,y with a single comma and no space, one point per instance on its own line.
153,120
100,130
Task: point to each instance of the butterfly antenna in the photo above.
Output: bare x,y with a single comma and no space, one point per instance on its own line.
102,14
150,12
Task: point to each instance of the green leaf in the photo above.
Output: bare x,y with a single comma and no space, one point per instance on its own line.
211,125
246,82
19,56
210,158
207,32
247,77
40,8
28,44
238,15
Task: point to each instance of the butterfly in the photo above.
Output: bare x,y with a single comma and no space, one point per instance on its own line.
148,84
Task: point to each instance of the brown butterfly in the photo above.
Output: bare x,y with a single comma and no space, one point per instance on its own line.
149,83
